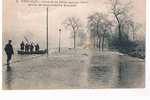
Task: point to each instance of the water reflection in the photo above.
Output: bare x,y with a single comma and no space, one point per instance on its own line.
131,74
110,72
104,71
99,76
8,78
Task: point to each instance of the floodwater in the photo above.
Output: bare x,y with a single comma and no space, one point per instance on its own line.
75,70
116,71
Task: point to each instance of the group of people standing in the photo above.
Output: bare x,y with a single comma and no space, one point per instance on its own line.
29,47
24,47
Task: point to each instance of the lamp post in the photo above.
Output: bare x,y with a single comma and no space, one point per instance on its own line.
59,39
47,29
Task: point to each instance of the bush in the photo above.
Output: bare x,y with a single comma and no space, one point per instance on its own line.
124,45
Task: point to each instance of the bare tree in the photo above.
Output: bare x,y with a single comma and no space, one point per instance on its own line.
99,26
93,25
125,27
134,27
106,28
81,37
119,10
74,24
129,27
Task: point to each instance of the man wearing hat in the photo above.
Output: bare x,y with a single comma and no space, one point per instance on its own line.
9,51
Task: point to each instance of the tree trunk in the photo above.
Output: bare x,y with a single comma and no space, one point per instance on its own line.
74,39
98,36
119,28
103,43
94,42
133,35
120,34
99,44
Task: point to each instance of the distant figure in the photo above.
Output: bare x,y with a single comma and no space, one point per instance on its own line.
27,47
9,51
37,47
31,48
22,46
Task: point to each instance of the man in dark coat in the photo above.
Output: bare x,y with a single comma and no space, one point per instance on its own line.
27,47
9,51
37,47
31,48
22,46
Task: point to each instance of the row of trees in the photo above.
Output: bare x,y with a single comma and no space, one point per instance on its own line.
100,27
114,27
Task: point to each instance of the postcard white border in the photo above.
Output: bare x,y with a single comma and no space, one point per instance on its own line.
99,94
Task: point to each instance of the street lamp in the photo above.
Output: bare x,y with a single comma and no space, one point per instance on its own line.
59,39
47,29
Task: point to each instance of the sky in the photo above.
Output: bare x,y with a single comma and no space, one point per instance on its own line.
21,20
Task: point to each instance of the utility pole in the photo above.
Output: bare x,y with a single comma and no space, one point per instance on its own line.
59,39
47,29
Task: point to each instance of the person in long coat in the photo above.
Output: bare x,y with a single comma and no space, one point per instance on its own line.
9,51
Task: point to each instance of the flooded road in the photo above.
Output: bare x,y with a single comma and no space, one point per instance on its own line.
79,70
116,71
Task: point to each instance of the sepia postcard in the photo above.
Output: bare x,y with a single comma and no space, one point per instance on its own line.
73,44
